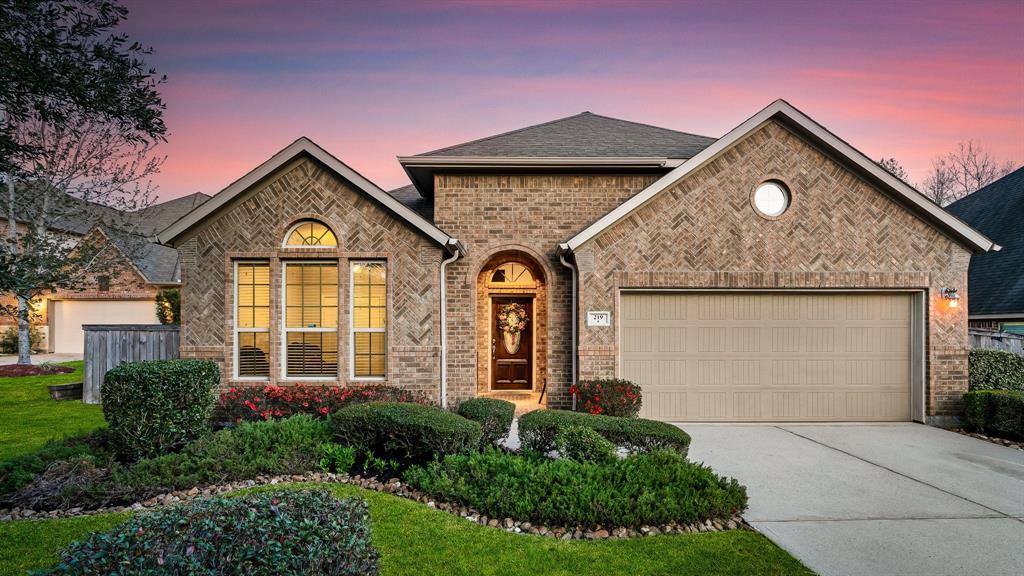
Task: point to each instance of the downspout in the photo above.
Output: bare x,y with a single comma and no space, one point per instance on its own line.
563,249
456,249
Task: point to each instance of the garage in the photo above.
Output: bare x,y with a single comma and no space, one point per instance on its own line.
66,317
772,356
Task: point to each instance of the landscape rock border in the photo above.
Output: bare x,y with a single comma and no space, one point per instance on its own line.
993,439
397,488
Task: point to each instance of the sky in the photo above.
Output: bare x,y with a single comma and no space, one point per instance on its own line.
372,81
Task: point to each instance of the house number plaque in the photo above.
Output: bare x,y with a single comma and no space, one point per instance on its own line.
599,318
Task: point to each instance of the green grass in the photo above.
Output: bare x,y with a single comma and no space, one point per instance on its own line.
29,417
413,539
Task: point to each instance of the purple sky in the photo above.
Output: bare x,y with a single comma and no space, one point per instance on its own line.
372,81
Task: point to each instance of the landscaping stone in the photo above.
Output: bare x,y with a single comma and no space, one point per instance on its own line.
392,486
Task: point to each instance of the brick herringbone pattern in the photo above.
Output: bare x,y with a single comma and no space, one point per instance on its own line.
254,226
839,232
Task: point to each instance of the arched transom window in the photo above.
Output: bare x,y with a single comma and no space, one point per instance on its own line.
310,233
512,274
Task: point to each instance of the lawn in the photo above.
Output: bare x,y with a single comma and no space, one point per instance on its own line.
29,417
414,539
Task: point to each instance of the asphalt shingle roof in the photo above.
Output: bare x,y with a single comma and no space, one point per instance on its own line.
996,279
409,196
581,136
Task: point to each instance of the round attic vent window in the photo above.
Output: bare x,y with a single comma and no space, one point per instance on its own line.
771,198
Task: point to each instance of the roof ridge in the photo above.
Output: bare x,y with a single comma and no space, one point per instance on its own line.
646,125
517,130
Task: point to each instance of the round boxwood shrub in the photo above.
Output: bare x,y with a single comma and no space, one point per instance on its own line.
406,433
611,397
995,370
158,406
494,416
291,533
658,487
537,431
583,444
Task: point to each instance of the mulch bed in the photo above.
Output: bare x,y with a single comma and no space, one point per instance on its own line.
33,370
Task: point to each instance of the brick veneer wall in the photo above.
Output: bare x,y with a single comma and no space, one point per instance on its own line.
839,232
254,226
529,214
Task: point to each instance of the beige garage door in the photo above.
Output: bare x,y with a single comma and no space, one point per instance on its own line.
733,357
67,316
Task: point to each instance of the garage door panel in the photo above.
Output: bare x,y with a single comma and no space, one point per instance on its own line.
769,356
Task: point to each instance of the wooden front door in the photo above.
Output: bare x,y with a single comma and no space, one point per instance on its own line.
511,343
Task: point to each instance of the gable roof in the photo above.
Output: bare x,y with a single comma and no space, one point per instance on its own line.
996,279
156,263
584,141
782,111
305,146
585,135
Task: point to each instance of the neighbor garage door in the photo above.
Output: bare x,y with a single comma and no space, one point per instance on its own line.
737,356
67,316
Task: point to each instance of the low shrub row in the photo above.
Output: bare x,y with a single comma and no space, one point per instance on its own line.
583,444
266,402
658,487
995,370
538,429
494,416
996,412
611,397
160,406
288,446
294,533
406,433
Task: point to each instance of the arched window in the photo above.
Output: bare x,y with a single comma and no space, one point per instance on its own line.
310,233
512,275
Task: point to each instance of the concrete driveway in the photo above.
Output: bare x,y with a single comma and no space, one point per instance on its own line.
877,499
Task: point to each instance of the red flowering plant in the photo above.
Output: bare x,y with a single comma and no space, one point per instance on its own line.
270,401
611,397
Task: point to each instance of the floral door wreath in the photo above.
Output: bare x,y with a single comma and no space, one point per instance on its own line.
512,318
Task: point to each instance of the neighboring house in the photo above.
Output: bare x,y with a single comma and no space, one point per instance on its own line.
130,270
773,274
996,279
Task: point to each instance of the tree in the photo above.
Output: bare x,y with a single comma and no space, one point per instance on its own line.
168,306
893,167
963,172
79,115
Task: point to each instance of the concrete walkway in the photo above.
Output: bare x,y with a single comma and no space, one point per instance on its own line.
889,499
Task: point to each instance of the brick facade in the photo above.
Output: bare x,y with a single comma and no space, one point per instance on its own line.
528,215
839,232
254,226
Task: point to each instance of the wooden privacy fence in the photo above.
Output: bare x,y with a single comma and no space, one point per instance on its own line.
109,345
997,341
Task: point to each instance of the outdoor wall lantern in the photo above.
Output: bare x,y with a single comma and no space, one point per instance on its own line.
951,296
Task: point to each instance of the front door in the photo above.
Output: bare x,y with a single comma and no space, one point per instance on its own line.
511,343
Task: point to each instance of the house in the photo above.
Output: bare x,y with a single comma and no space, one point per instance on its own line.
772,274
996,279
129,268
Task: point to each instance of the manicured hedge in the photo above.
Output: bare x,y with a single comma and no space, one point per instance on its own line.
537,431
996,412
658,487
611,397
407,433
293,533
494,416
996,370
583,444
158,406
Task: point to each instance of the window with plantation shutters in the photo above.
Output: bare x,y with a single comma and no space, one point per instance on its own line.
369,320
252,320
311,319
